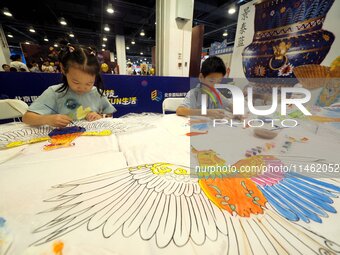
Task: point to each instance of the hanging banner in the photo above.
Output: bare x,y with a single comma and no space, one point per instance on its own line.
218,48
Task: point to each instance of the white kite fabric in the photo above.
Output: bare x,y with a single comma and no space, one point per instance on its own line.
164,204
19,133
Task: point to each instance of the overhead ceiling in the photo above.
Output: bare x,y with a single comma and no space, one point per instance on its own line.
86,18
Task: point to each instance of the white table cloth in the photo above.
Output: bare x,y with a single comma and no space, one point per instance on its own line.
28,177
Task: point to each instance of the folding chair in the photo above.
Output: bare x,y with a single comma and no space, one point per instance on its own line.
171,104
12,108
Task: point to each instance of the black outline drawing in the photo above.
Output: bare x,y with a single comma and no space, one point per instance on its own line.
25,133
165,207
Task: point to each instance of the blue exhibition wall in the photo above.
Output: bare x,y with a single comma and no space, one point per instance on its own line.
127,93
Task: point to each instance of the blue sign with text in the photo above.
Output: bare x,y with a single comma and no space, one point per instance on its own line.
126,93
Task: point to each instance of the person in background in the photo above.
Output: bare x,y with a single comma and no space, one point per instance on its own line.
13,69
54,67
46,67
33,67
79,97
212,72
6,68
17,63
129,70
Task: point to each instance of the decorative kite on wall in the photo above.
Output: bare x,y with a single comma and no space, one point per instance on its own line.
164,203
21,134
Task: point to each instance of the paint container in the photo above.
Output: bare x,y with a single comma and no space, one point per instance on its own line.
265,133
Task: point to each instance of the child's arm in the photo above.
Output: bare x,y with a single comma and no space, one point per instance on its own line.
92,116
54,120
213,113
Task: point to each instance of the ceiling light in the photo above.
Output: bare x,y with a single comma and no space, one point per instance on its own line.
55,45
144,58
133,42
27,42
141,53
109,8
104,39
6,12
232,10
45,39
225,33
103,49
104,45
10,35
127,47
71,35
107,28
62,21
31,29
142,33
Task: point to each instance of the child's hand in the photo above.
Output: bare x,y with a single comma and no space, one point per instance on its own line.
216,113
93,116
58,120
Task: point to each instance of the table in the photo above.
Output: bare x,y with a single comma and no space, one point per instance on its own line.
28,178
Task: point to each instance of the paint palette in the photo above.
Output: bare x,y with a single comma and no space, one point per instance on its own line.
289,142
265,133
259,150
63,137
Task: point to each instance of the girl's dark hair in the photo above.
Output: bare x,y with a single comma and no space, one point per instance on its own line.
15,57
213,65
84,58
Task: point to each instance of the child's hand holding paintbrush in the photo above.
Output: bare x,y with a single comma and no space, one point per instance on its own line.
57,120
54,120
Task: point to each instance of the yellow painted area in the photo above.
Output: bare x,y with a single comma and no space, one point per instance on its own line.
20,143
97,133
181,171
162,168
81,112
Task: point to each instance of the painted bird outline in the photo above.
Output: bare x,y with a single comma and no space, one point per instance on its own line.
163,202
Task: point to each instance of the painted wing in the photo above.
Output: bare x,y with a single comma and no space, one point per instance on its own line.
21,134
162,203
147,199
292,195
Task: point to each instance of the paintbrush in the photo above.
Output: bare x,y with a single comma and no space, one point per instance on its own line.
277,127
56,112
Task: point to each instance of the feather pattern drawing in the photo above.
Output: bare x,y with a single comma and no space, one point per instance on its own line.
163,203
22,134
